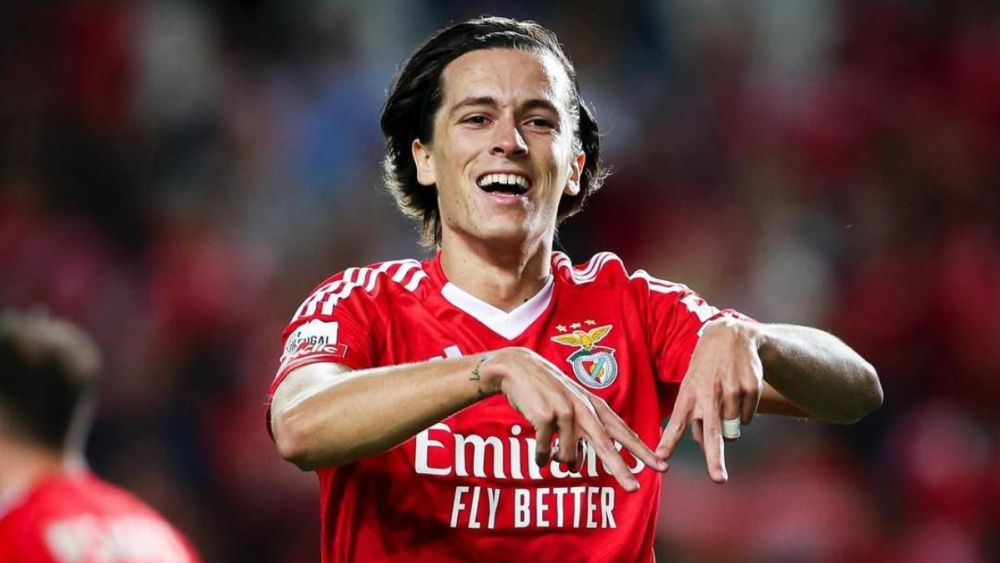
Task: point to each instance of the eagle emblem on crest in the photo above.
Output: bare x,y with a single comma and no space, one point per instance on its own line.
595,366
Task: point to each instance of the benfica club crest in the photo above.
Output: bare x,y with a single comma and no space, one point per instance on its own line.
595,366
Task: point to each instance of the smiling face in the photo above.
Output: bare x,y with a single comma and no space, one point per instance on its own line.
504,147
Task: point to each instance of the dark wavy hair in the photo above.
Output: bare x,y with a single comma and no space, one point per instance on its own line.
415,97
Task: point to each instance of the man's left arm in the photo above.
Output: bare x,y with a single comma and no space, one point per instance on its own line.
809,372
740,367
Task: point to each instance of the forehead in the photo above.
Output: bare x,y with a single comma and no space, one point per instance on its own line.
509,75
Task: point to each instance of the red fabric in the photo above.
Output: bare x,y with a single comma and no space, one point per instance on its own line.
430,500
79,517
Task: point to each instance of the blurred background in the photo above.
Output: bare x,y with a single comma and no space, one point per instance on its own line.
176,176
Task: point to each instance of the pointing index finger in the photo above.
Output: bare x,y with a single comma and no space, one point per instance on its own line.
715,449
604,448
675,428
628,438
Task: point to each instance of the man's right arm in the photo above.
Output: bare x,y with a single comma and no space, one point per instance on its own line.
323,414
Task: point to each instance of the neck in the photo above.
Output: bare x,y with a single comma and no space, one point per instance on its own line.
502,275
22,464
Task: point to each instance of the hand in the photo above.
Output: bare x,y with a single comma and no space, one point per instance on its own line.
723,382
554,403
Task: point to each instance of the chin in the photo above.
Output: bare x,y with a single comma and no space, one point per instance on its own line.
500,228
504,232
511,236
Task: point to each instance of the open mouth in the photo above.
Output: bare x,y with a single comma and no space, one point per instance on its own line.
504,184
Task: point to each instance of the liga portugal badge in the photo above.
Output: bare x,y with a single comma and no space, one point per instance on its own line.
595,366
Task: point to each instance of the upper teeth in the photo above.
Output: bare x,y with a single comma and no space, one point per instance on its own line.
508,179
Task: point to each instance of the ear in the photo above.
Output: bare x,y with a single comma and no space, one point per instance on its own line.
575,174
425,165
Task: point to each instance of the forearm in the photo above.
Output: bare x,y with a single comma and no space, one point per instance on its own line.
817,372
336,418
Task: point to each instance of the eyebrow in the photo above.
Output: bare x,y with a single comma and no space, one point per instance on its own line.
534,103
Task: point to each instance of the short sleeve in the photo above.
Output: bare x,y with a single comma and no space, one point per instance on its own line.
333,324
676,317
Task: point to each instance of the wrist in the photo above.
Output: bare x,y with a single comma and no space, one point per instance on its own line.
486,380
762,341
748,333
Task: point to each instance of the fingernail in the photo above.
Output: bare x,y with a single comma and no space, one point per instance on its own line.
632,485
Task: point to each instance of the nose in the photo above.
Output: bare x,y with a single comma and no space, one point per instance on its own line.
507,140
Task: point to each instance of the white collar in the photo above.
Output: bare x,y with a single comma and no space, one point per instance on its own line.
508,325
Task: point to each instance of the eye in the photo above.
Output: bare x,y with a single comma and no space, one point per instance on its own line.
541,123
476,119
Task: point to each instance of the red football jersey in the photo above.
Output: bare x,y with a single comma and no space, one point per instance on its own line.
77,517
467,488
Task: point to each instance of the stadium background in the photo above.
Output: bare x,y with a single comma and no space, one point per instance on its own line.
177,175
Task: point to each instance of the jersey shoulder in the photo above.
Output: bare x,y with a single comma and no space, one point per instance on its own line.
606,268
70,517
364,283
84,492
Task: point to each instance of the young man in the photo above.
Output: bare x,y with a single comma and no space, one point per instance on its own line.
52,509
464,407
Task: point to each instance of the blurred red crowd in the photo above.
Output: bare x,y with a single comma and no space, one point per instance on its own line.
175,178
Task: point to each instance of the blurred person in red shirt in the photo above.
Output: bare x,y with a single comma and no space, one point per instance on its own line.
52,508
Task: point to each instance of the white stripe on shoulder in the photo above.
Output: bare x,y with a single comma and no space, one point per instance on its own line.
658,285
415,280
561,262
691,301
309,307
593,268
596,263
403,270
326,297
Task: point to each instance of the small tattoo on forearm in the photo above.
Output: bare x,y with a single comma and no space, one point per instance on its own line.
475,376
